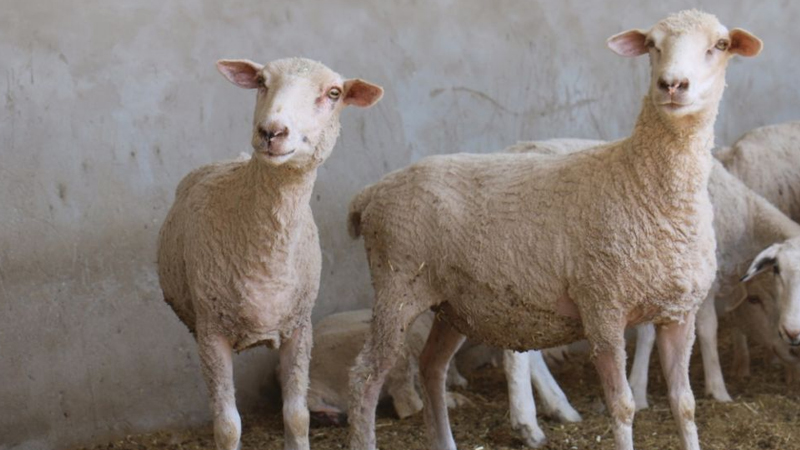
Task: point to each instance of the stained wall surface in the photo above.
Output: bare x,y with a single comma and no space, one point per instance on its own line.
108,104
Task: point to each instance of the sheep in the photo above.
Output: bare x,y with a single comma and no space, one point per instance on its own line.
767,160
337,340
744,223
525,252
238,253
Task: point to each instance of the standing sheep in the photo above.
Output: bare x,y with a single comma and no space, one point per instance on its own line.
238,254
744,224
522,252
767,160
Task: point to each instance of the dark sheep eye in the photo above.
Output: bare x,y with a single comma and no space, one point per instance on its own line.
755,300
334,93
722,45
649,44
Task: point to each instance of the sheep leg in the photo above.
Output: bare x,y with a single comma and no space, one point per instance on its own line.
295,354
609,360
520,398
645,339
674,349
741,355
443,342
554,401
216,359
707,334
401,386
454,377
385,341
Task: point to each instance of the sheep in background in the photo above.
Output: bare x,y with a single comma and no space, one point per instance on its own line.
523,252
767,160
238,254
338,339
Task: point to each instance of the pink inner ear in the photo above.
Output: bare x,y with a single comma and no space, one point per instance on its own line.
241,73
744,43
362,94
629,43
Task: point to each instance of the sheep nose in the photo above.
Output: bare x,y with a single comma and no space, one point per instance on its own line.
792,335
273,131
673,86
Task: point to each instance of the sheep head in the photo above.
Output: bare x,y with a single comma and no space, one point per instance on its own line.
296,119
689,52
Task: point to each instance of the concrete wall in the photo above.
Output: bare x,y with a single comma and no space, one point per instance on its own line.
108,104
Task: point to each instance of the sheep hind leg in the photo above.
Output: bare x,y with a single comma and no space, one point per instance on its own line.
645,339
520,398
216,358
554,401
391,319
675,348
609,360
295,354
443,342
707,335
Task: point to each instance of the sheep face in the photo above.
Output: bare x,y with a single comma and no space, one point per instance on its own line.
758,313
689,52
783,260
296,119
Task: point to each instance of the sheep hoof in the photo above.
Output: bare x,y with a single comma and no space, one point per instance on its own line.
722,396
566,414
533,437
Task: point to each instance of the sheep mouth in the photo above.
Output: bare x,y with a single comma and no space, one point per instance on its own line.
672,105
272,154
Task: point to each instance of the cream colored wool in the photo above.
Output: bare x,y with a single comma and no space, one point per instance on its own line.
767,160
238,254
337,341
745,224
514,249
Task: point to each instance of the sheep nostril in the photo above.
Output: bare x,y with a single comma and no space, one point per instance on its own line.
663,85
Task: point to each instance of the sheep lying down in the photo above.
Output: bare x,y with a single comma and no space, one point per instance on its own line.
337,341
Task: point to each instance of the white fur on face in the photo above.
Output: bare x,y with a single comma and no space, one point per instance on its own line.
690,53
295,102
787,289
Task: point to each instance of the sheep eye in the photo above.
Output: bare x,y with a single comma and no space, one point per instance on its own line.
334,93
649,44
722,45
753,299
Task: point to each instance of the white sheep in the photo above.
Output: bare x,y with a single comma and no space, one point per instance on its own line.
238,254
767,160
338,339
744,224
524,252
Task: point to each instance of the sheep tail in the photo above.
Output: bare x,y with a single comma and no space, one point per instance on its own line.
357,206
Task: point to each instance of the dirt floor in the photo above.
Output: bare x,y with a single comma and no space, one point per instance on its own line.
765,414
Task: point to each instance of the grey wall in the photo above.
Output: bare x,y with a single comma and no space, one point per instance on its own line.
108,104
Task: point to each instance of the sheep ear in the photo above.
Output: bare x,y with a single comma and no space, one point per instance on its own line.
738,298
360,93
241,72
764,260
628,43
744,43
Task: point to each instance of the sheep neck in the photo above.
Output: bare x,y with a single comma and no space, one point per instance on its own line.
673,155
279,194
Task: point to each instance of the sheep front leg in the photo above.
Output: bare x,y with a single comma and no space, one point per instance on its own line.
554,401
707,334
295,354
443,342
520,398
609,360
645,339
675,348
216,358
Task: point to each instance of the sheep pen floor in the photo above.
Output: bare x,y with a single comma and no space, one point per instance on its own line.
765,414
